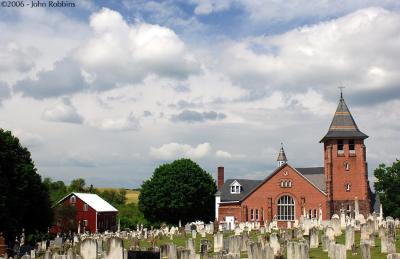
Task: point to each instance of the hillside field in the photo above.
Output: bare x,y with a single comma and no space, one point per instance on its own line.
132,196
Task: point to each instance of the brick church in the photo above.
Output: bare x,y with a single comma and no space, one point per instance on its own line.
315,192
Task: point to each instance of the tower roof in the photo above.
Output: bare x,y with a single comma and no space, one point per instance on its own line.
343,124
281,155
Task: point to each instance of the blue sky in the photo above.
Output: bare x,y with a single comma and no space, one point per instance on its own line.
109,90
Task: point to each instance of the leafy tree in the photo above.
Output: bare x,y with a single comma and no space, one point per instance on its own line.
65,218
130,215
177,191
113,197
24,199
57,190
387,187
77,185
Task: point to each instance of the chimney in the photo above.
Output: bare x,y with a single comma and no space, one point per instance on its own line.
220,177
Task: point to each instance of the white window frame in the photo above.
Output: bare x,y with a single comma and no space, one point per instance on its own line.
256,214
85,207
72,199
85,222
286,208
235,187
251,214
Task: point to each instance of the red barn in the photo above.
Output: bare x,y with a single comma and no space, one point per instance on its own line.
93,214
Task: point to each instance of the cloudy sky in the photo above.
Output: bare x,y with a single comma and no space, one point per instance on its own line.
109,90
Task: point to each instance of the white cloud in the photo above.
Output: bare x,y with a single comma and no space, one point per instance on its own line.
63,112
175,150
227,155
119,124
348,50
29,139
121,53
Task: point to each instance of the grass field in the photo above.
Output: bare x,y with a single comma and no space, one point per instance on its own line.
132,196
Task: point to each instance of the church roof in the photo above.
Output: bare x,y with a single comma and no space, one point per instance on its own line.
315,175
343,124
282,155
246,187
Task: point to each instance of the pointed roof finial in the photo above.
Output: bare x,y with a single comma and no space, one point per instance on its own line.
341,91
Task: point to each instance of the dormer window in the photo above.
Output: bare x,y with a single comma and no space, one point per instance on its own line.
236,187
72,200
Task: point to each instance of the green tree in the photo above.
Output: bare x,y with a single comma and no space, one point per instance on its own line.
24,199
77,185
115,198
57,190
387,186
177,191
65,218
130,215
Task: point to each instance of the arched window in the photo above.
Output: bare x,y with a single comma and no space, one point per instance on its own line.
285,208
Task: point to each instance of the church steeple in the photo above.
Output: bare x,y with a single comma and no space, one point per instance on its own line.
281,156
343,125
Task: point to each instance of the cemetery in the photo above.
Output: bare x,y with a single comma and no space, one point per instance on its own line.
339,238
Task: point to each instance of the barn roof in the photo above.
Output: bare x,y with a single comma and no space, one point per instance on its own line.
94,201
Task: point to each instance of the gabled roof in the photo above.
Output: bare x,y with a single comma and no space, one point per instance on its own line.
313,175
343,124
94,201
246,187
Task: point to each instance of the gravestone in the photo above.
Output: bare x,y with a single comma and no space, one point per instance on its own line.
218,242
393,256
314,240
349,237
88,249
340,252
365,251
115,248
190,246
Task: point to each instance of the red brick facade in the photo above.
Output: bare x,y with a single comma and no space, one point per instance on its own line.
344,178
264,198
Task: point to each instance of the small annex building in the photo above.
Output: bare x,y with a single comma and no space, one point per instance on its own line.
93,214
339,186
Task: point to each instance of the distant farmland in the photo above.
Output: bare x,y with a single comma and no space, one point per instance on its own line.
132,196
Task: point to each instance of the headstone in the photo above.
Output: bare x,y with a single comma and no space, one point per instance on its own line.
194,234
115,248
274,243
384,244
314,240
190,246
349,237
340,252
88,249
393,256
218,242
365,251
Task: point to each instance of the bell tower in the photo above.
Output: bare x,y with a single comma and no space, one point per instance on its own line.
345,164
